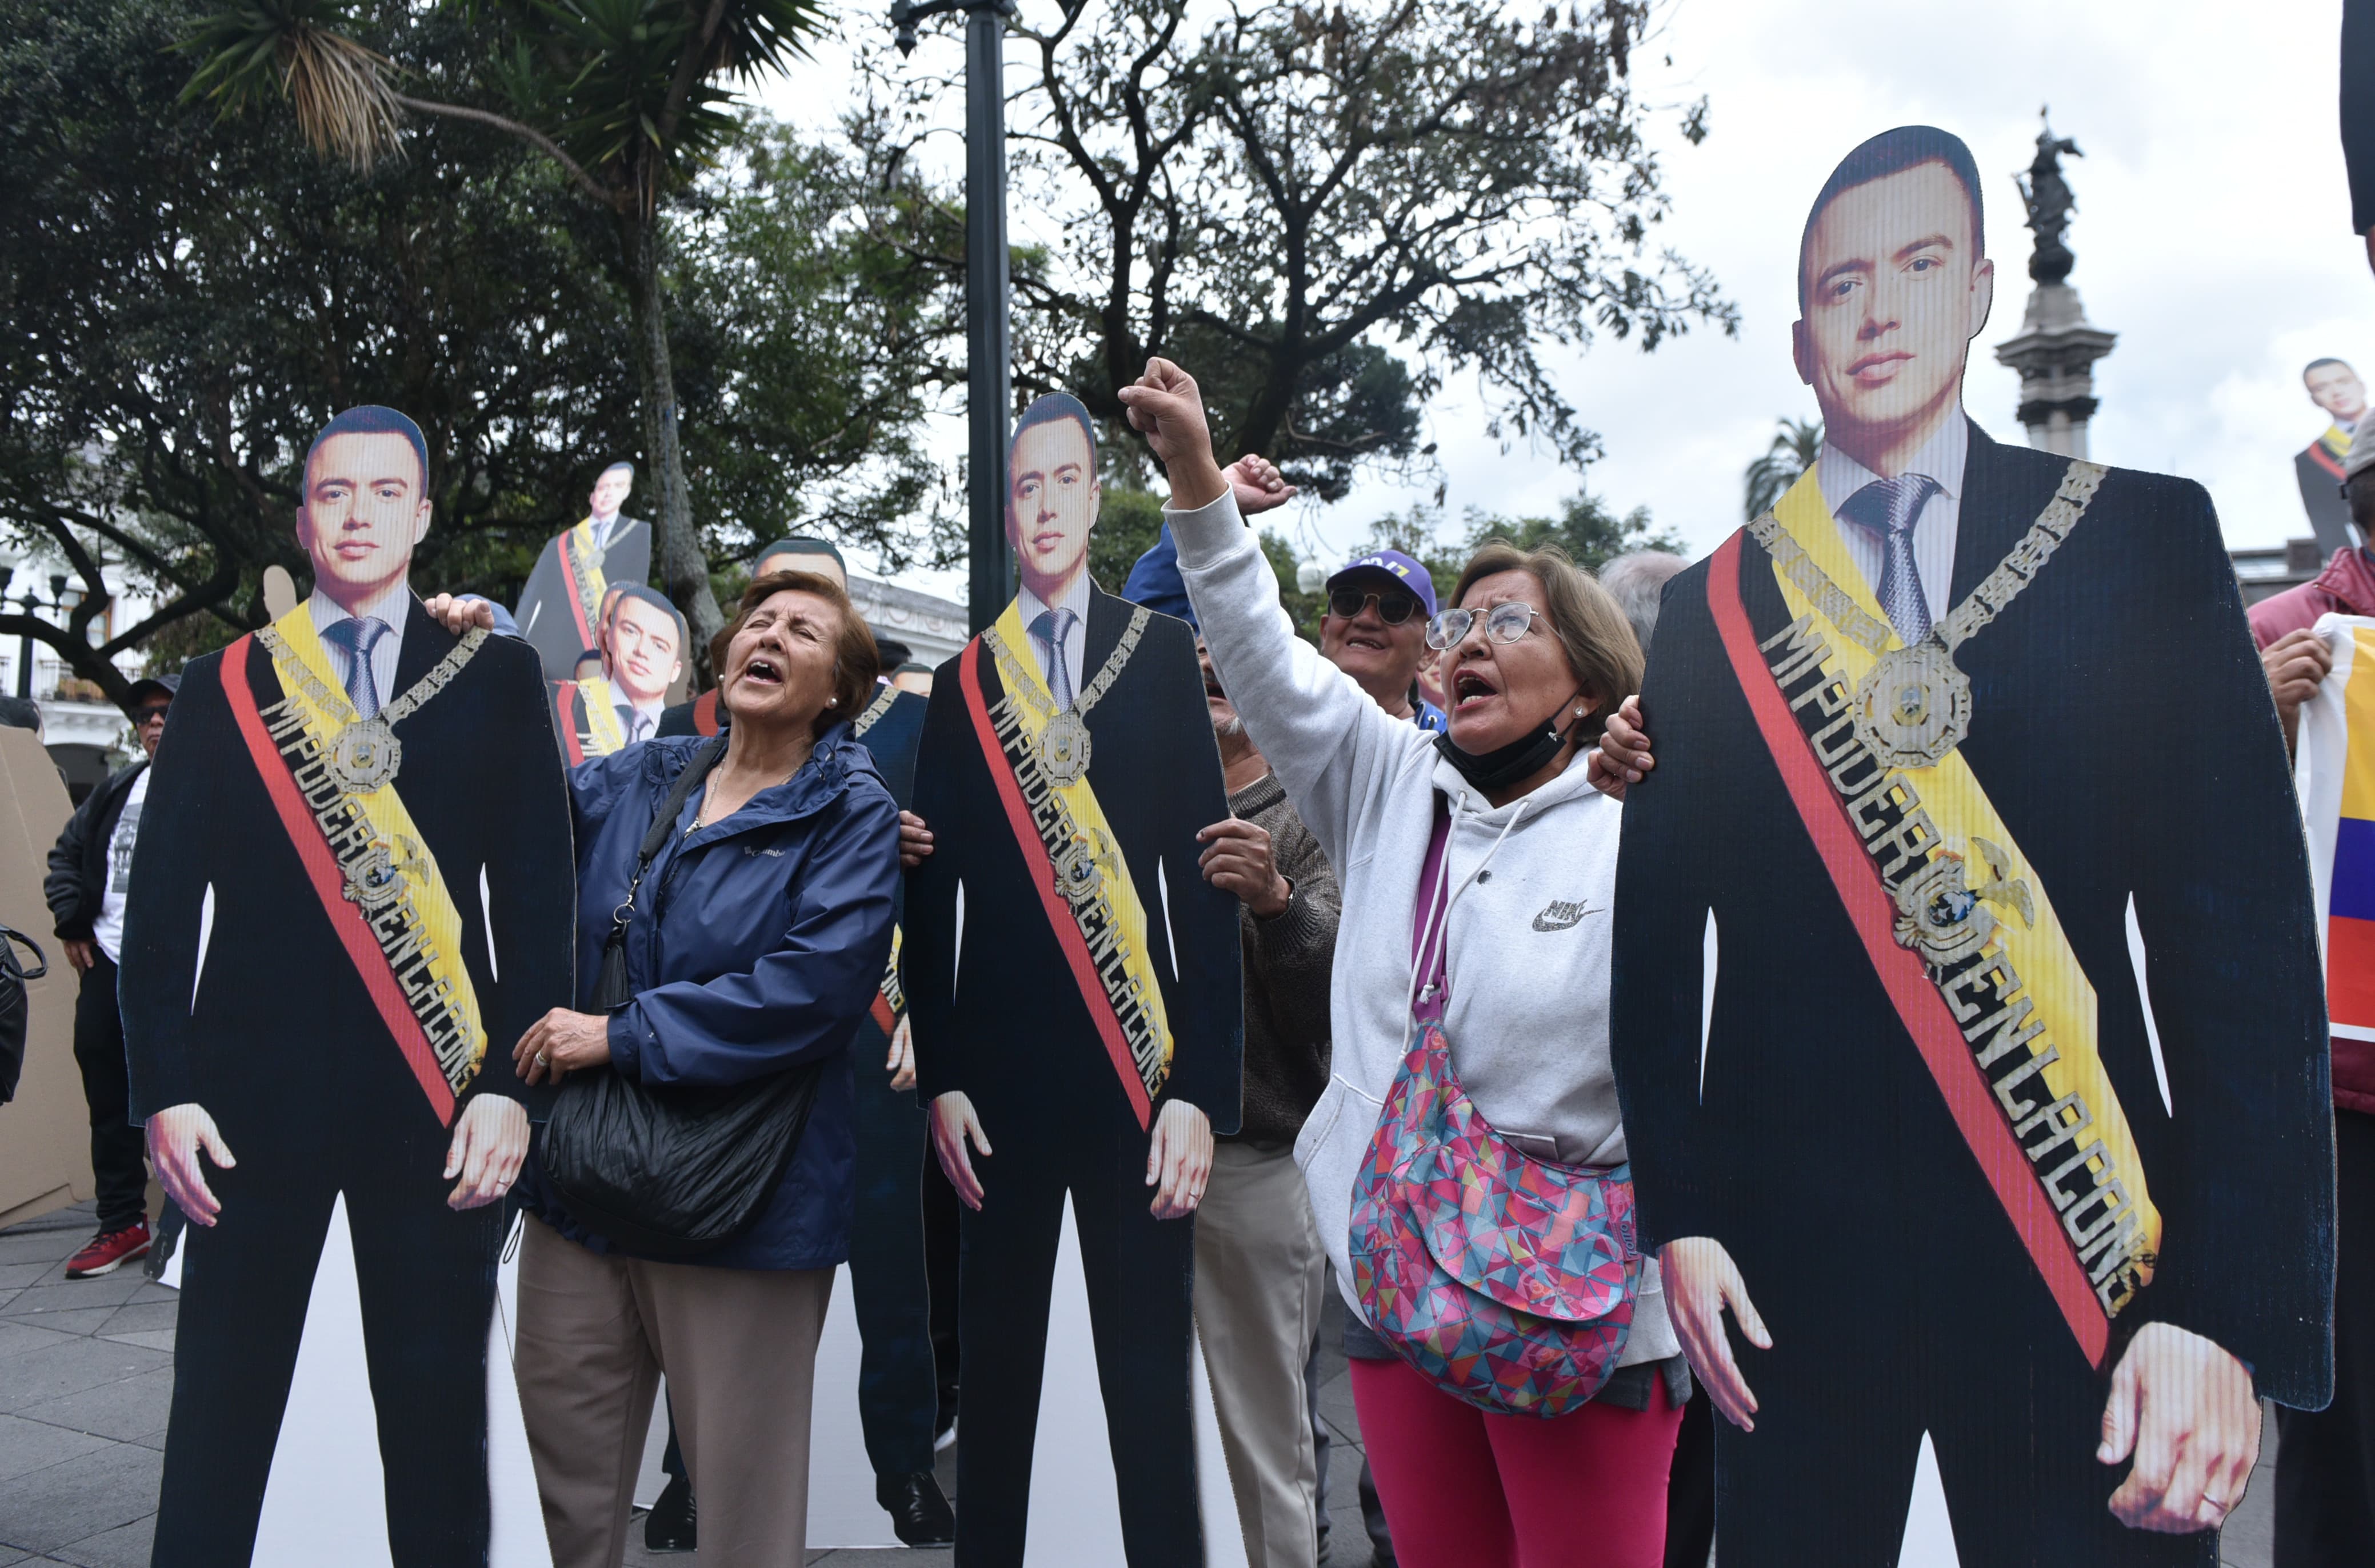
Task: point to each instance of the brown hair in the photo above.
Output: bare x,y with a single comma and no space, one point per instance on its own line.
1601,652
853,661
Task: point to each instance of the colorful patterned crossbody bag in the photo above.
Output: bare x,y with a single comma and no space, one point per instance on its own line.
1507,1280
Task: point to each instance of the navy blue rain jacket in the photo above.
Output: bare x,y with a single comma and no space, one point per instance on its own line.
757,943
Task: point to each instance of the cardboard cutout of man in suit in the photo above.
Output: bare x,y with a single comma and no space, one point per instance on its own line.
1075,997
1967,1005
624,701
355,891
561,610
2335,388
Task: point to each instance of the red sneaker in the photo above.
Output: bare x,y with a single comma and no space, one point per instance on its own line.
109,1250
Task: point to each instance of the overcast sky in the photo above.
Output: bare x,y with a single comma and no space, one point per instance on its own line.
2212,234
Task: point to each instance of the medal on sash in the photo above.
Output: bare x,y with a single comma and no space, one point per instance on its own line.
1040,769
1957,926
331,774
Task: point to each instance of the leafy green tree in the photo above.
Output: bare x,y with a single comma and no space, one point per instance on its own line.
1327,212
1591,531
1795,446
189,301
629,98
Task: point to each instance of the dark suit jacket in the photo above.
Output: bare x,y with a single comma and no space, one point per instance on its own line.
2321,490
2123,730
278,1014
544,615
1157,776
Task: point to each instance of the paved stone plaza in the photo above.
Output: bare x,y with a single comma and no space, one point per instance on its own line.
87,1372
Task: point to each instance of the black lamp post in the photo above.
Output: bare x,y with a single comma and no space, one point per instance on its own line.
32,603
988,378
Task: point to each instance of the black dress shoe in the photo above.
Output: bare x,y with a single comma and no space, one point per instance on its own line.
669,1526
920,1515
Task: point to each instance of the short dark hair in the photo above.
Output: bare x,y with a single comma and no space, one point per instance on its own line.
613,468
370,419
854,666
1051,410
800,544
652,596
2320,364
1894,152
2360,490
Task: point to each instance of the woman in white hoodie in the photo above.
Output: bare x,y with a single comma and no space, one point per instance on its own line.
1532,657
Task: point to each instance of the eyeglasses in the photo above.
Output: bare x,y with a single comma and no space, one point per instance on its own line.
1503,623
143,716
1393,607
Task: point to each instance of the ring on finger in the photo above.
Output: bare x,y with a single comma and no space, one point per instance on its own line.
542,1060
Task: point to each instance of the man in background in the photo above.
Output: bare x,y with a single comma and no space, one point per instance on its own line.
2281,623
1375,631
1261,1272
2321,466
90,872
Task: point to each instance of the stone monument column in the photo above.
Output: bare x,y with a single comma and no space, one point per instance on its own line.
2057,347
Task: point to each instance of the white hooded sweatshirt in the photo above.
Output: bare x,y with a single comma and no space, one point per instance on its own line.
1530,936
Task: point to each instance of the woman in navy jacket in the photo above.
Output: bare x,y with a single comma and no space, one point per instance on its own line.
759,938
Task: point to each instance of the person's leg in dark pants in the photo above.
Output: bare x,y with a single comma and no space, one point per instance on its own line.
118,1162
426,1276
897,1393
1007,1265
2325,1459
1140,1273
246,1285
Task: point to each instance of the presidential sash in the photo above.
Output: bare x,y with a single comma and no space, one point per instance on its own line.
581,571
1090,902
374,875
1957,924
601,734
2329,450
890,999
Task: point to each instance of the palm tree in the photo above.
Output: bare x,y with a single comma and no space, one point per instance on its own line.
1795,449
628,98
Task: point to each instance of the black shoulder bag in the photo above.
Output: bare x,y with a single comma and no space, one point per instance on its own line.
13,975
670,1172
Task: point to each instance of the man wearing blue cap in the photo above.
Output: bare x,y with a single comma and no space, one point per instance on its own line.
1375,631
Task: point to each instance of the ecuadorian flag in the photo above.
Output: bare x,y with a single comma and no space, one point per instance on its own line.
2335,771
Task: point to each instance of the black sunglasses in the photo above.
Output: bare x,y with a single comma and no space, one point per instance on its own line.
142,715
1393,606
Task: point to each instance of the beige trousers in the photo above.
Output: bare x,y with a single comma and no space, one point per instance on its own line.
1260,1276
739,1346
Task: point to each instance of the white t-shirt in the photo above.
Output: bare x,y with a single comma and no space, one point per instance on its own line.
108,929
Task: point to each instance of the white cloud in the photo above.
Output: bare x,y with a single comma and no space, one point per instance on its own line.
2212,234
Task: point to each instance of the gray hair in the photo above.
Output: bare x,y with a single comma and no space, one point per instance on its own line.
1636,581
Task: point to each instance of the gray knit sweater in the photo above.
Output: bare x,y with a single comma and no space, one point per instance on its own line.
1287,964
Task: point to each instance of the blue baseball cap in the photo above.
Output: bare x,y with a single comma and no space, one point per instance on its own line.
1405,572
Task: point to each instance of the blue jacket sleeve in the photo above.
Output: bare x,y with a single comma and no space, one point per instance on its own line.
804,1000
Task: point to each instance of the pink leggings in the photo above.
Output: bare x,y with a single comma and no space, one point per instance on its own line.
1467,1490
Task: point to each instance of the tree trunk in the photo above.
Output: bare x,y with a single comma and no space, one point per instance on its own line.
678,556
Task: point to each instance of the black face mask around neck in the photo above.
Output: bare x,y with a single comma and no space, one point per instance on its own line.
1506,765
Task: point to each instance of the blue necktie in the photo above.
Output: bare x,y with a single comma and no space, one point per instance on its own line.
1890,508
1052,628
356,637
